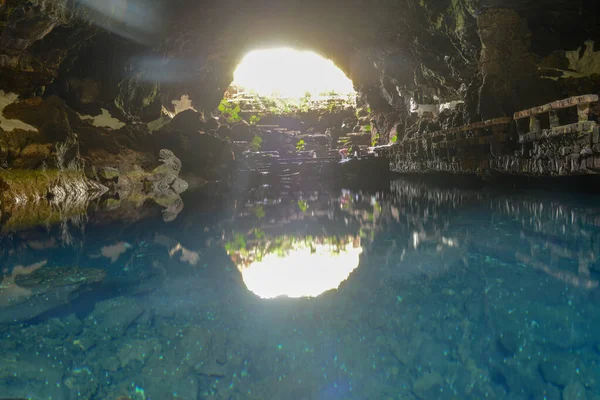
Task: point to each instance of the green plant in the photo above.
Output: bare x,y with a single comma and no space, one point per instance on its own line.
300,145
375,140
368,128
230,111
254,119
302,205
256,143
305,103
259,212
394,138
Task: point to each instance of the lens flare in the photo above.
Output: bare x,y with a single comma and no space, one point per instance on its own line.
290,73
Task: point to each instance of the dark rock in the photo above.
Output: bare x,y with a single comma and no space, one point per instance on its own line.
33,290
188,122
559,370
574,391
210,369
139,99
108,174
241,132
213,123
510,342
51,117
224,132
33,156
111,318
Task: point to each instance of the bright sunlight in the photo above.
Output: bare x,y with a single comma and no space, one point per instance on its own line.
290,73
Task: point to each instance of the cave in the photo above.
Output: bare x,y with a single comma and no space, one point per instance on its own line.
298,199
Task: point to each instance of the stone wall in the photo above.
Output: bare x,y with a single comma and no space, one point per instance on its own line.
558,138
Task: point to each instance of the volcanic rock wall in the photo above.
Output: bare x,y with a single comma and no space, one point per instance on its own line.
421,66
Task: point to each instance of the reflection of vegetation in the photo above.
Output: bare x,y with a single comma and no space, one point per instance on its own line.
300,145
281,246
255,119
238,243
256,143
259,212
302,205
377,207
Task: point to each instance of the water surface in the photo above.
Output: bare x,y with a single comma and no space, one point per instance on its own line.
292,291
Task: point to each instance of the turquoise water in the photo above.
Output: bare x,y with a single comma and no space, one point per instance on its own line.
418,291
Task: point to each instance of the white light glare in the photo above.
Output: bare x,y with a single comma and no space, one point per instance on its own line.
290,73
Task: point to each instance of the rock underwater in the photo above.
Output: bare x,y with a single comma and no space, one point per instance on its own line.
32,290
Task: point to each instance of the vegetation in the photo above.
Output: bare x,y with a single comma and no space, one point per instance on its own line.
256,143
302,205
230,111
254,119
377,207
281,245
375,140
300,145
238,243
259,212
257,106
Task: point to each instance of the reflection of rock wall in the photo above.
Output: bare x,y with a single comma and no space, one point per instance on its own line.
47,197
131,184
541,233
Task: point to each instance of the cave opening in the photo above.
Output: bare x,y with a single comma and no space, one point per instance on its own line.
288,102
290,73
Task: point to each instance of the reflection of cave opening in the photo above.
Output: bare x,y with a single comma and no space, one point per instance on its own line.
296,267
290,73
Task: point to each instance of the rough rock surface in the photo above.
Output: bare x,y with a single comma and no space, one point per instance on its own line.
32,290
491,57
